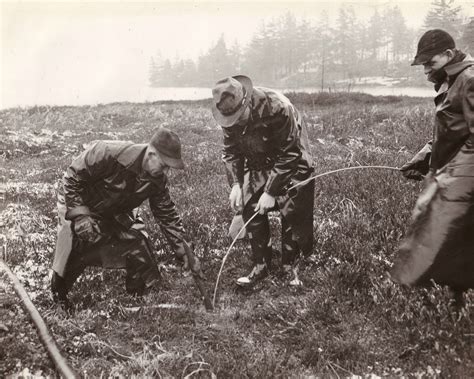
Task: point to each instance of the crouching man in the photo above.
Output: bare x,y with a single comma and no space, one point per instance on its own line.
98,221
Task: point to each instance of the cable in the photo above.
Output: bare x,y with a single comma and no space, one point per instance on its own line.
289,189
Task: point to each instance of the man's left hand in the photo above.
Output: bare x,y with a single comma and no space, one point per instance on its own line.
265,203
193,265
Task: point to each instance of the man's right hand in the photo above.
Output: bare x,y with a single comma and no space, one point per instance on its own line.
87,229
410,171
235,198
417,167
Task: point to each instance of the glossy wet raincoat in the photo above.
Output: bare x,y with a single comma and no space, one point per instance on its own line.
271,153
107,182
439,245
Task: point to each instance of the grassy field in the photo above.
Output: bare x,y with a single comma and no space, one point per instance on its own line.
349,319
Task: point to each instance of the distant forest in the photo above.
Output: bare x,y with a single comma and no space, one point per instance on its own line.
289,52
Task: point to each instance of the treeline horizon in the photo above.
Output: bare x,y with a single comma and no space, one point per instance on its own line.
290,52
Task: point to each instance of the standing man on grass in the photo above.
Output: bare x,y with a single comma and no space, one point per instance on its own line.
266,151
98,222
439,245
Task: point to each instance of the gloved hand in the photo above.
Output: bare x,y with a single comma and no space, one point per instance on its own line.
191,262
419,165
87,229
411,170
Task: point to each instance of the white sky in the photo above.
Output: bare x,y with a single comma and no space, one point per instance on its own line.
51,50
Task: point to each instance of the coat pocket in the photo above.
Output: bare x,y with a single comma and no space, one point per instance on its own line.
458,187
462,170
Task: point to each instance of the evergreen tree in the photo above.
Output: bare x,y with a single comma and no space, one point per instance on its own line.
217,63
304,53
443,14
178,71
375,34
345,42
235,56
189,74
287,43
153,74
260,56
289,52
166,77
324,53
399,43
467,40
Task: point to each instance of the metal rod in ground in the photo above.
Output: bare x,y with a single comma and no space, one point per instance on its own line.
44,334
196,272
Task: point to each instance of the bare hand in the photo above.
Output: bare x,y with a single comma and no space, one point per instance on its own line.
265,203
235,198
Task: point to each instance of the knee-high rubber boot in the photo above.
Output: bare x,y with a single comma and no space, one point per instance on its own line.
142,272
289,247
60,286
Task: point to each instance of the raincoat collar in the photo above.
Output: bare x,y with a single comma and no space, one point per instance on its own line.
131,157
458,67
451,73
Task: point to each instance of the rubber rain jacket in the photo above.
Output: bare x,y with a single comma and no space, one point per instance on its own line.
106,181
271,153
439,245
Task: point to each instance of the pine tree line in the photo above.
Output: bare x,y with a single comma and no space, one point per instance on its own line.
288,52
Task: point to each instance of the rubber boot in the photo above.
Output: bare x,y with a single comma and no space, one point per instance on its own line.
59,290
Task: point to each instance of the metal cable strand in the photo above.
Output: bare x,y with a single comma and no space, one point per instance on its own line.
289,189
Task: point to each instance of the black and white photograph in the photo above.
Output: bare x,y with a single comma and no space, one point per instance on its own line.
237,189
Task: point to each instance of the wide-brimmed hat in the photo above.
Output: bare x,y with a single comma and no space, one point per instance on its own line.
231,96
431,43
168,146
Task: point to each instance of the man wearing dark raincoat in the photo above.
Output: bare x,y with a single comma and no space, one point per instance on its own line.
439,246
266,152
98,221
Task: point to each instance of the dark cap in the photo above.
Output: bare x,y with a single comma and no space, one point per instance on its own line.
168,146
433,42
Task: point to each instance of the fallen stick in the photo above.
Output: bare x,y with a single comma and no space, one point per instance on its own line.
196,272
44,334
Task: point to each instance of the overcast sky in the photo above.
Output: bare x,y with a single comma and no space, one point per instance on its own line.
64,49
